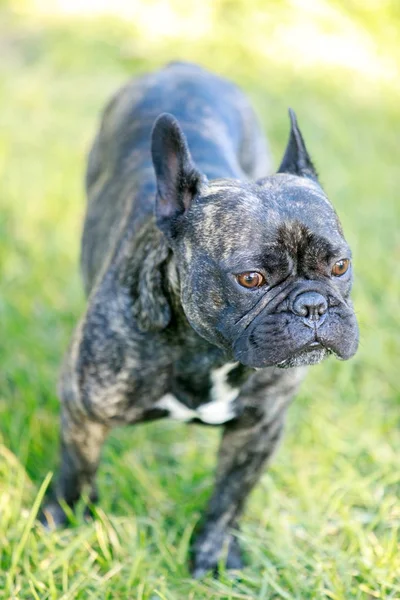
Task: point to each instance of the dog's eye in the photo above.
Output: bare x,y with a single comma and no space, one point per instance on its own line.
340,267
250,279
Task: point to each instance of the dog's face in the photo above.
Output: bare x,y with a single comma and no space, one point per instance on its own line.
264,269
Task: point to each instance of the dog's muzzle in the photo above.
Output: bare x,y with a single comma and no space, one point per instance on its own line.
301,328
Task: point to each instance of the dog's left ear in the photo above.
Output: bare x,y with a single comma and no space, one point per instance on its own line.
178,180
296,160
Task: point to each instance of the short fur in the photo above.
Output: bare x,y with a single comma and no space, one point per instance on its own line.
178,207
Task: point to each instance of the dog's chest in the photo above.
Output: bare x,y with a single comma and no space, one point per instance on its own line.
219,404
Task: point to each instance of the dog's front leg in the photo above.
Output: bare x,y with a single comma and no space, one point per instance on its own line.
247,444
81,443
243,454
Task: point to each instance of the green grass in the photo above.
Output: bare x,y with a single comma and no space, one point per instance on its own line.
324,520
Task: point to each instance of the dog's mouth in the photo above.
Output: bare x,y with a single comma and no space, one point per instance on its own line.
310,354
283,340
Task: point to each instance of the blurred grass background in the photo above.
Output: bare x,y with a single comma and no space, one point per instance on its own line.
324,521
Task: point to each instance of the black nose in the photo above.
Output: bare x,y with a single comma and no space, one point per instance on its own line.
310,305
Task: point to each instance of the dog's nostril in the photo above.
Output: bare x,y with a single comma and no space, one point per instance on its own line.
311,305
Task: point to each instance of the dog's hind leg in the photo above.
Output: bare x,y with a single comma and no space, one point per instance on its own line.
81,443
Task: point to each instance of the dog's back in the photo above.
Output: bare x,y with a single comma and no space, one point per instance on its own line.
223,135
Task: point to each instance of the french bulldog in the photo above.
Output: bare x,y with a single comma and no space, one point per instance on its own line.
211,286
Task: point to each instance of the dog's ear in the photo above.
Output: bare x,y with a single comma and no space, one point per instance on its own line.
296,159
146,278
178,180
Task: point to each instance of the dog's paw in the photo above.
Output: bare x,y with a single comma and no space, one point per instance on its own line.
52,516
234,559
208,553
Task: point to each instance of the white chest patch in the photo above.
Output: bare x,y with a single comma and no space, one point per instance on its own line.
219,410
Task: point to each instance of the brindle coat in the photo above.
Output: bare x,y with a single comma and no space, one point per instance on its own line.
167,326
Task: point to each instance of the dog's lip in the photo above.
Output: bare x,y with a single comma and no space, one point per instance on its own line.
316,345
310,347
313,345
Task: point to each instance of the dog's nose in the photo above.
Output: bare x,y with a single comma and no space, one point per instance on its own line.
312,306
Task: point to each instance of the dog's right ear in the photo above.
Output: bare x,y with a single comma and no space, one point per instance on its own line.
178,180
296,160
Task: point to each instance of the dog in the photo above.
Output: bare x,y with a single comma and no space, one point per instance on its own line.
211,286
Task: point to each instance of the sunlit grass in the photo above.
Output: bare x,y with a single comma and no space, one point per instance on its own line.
324,521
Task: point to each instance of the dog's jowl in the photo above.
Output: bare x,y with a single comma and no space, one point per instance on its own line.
211,286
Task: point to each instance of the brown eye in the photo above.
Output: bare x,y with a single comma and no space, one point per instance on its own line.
340,267
250,279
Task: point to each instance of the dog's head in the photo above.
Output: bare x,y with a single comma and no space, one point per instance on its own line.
264,269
